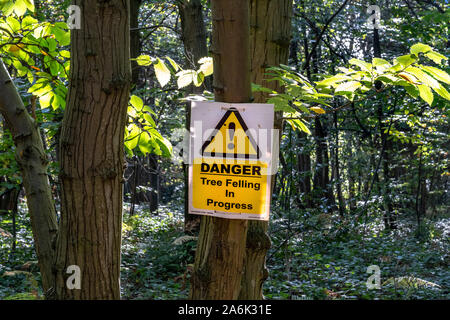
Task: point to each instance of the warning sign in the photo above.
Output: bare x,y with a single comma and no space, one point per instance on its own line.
231,160
231,139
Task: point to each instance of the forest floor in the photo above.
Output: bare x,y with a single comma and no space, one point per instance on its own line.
312,257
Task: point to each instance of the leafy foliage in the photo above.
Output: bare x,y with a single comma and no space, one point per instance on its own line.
301,96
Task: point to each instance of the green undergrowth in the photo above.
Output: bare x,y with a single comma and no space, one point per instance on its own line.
314,260
312,257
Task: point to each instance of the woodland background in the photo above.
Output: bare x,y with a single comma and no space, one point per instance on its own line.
362,182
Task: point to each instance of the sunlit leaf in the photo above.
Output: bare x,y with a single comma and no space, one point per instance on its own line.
419,48
425,93
162,72
318,110
144,60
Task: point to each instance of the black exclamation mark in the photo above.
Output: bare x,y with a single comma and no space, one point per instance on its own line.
231,129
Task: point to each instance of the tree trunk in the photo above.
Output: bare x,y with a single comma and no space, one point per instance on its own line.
336,167
32,160
321,179
193,32
194,41
221,246
304,170
92,157
270,27
154,182
135,40
321,174
389,219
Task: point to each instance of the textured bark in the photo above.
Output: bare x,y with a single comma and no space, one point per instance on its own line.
92,157
32,160
193,31
270,26
194,41
8,198
135,39
221,246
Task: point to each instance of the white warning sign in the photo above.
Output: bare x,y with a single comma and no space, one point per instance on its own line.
231,163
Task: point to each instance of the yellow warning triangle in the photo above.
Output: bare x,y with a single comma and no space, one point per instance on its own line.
231,139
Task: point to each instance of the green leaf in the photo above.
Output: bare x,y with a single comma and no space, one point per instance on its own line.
44,100
30,5
13,24
333,80
148,118
424,77
299,124
425,93
54,68
380,62
387,78
62,36
280,104
65,54
318,110
408,77
132,138
174,65
349,86
144,60
8,7
362,64
199,78
136,102
259,88
442,92
20,7
411,90
302,107
435,56
185,78
149,110
438,74
406,60
419,48
144,143
162,72
29,21
206,66
165,146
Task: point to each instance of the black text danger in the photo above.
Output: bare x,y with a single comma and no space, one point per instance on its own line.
238,169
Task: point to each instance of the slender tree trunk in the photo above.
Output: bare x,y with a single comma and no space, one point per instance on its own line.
219,260
419,181
322,170
270,27
389,219
32,160
304,169
193,32
352,190
135,40
194,41
337,169
321,179
153,166
92,157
